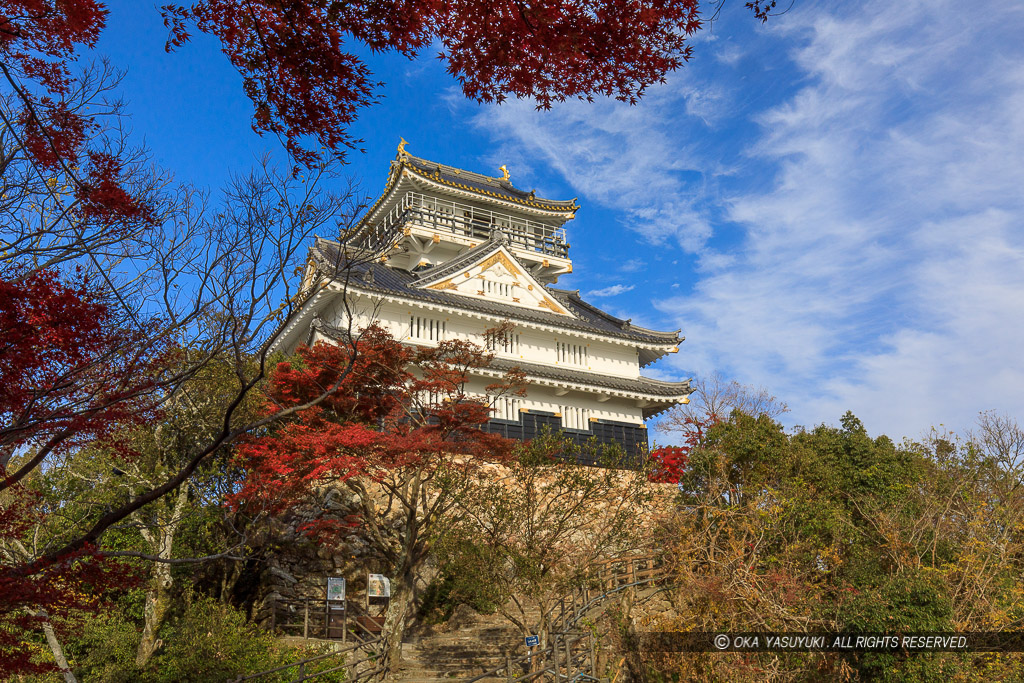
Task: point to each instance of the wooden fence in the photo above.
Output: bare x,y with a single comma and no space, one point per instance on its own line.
334,620
571,653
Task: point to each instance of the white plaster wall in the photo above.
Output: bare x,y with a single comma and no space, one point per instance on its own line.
543,398
535,346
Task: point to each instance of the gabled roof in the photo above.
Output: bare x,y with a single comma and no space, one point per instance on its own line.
492,254
385,280
467,181
498,187
461,262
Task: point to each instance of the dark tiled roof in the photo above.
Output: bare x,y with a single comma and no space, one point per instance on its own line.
456,264
476,182
642,385
377,277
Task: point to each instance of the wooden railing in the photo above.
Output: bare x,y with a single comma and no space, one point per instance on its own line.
315,619
465,220
312,618
571,653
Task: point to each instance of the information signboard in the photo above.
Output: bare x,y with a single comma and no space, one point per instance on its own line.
378,586
532,641
336,588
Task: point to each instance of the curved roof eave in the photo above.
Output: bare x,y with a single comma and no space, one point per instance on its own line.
574,294
559,209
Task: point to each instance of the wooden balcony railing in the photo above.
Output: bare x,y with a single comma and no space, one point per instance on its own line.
455,218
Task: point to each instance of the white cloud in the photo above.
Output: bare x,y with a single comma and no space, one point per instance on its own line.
884,271
628,158
614,290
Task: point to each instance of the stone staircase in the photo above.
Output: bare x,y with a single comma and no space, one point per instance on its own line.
468,645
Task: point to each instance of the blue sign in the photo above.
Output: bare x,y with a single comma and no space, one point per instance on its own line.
532,641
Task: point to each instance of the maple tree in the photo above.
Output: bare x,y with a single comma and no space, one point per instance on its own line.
77,373
300,62
400,432
304,80
67,375
105,319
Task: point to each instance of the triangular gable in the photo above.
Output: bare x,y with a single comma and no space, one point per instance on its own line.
491,273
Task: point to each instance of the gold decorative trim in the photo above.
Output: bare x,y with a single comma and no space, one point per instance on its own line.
402,171
446,284
503,260
546,302
436,177
436,239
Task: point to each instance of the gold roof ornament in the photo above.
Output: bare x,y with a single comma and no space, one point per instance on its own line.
401,146
504,172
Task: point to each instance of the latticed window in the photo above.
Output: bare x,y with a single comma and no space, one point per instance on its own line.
502,289
427,328
572,354
506,408
507,342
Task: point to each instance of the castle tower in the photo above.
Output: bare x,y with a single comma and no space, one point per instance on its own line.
447,253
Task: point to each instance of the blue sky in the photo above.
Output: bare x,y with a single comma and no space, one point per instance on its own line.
830,205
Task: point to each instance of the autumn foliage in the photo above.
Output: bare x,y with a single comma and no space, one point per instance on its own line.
395,408
306,78
668,463
68,372
399,432
68,375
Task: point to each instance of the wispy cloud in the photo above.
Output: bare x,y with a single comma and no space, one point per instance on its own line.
620,156
614,290
884,271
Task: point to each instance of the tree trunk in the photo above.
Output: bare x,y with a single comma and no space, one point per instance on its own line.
158,603
394,623
57,650
158,596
